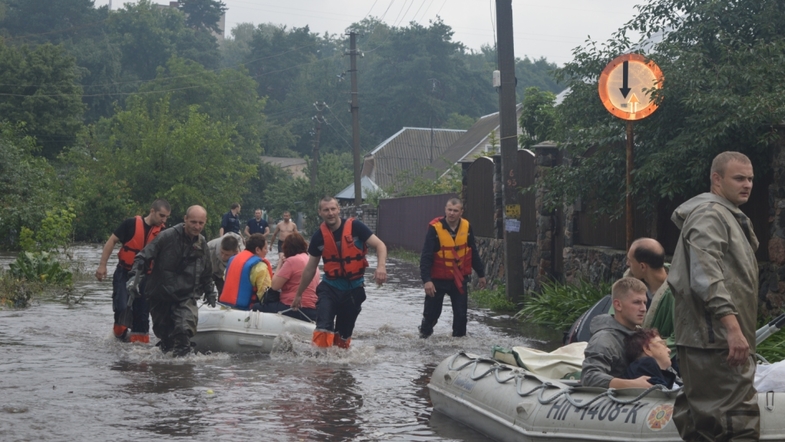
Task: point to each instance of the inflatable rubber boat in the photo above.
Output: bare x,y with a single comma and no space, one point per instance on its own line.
509,403
221,329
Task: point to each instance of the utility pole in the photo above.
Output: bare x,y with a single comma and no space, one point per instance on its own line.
354,105
318,119
508,128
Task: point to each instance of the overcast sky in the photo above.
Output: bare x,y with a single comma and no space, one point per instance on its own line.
542,28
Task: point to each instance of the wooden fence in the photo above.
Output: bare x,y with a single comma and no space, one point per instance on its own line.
403,222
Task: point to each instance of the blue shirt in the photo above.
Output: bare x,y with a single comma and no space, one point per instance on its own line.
230,222
257,226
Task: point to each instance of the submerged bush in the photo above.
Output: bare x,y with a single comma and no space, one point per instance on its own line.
559,305
40,267
15,292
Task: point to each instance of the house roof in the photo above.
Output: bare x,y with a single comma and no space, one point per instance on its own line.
284,162
366,184
399,159
470,144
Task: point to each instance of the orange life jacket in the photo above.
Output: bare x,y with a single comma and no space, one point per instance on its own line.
454,258
239,291
129,250
349,262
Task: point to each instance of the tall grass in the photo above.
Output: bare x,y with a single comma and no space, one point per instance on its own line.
559,305
494,299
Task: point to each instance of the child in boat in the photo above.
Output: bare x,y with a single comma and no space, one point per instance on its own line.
650,356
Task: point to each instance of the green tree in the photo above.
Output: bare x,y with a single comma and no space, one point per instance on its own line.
298,194
538,117
228,95
28,185
148,36
236,49
203,14
722,62
38,86
187,160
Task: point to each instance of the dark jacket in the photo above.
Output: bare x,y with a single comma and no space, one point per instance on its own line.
604,354
647,366
181,266
432,246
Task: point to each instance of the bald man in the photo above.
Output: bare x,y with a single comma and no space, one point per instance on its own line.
646,259
182,274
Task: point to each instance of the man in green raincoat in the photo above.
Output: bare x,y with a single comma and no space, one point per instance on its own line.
714,278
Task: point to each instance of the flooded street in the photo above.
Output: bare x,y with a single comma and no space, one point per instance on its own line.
63,376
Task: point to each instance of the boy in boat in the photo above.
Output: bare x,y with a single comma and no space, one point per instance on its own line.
649,355
605,362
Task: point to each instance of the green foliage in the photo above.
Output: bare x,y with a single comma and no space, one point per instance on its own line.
186,160
494,299
458,121
15,292
54,234
28,186
559,305
42,267
538,117
413,183
300,195
39,86
203,14
404,255
228,96
722,61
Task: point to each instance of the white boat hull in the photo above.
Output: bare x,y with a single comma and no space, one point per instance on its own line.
221,329
510,404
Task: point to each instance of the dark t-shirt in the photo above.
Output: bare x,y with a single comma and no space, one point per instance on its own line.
360,233
127,229
230,223
256,226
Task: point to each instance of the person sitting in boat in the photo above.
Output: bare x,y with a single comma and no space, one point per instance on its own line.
605,362
646,260
288,279
650,356
248,275
221,249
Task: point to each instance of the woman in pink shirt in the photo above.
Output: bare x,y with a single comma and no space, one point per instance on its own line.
288,278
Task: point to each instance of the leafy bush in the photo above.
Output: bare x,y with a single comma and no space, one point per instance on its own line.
15,292
559,305
494,299
40,266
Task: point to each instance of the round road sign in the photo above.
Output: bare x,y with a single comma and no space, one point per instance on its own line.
625,86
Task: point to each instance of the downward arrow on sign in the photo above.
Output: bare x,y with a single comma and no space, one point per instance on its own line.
625,79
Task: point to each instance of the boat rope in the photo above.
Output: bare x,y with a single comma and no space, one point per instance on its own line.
518,375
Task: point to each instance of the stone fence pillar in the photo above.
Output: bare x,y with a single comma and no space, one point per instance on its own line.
547,156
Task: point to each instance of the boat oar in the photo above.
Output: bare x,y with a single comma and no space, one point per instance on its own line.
769,329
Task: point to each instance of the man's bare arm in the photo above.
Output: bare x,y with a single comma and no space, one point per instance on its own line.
100,274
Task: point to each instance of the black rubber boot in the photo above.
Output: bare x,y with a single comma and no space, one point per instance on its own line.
425,329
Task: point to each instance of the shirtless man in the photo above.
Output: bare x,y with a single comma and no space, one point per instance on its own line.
282,230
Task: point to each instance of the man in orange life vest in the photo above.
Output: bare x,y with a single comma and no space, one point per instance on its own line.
446,264
133,233
342,244
248,275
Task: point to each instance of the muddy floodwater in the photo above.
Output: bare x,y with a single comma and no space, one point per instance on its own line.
63,377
